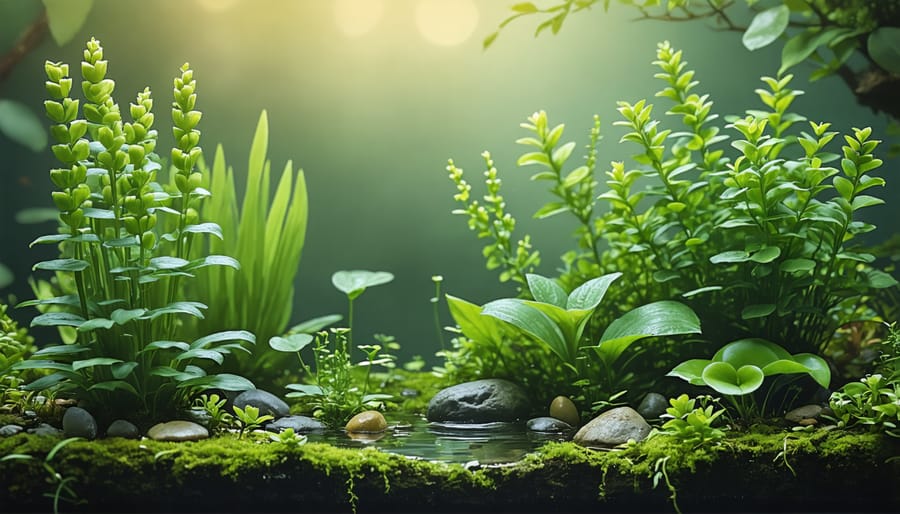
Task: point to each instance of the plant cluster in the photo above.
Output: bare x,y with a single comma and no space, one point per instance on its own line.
15,346
690,424
131,357
873,401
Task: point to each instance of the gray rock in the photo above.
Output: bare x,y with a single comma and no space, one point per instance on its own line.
78,422
10,430
177,431
299,424
198,416
266,402
123,428
612,428
547,424
802,413
653,406
45,429
481,401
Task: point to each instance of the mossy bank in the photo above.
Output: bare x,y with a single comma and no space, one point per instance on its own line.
833,471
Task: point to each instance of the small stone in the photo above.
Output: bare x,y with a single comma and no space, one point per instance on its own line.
30,414
563,409
482,401
198,416
805,412
177,431
124,429
653,406
368,422
45,429
267,403
78,422
548,424
65,402
806,422
299,424
10,430
612,428
409,393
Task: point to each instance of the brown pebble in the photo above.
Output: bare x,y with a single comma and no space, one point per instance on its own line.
806,422
564,409
368,422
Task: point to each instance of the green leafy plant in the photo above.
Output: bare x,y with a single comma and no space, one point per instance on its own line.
214,407
62,484
248,419
353,284
129,359
759,240
739,368
15,346
266,235
288,437
691,424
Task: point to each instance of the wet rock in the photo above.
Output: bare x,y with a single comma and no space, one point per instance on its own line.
481,401
802,413
177,431
45,429
299,424
267,403
124,429
653,406
612,428
548,424
368,422
563,409
78,422
10,430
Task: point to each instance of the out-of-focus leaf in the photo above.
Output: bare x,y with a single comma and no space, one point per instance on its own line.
21,125
6,276
66,17
34,215
884,48
766,27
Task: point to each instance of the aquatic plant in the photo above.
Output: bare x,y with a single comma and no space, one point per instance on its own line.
218,417
248,419
266,235
130,359
288,437
739,368
872,401
690,424
353,284
758,241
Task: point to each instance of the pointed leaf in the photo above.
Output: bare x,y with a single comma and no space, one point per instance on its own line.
662,318
531,321
588,295
546,290
481,329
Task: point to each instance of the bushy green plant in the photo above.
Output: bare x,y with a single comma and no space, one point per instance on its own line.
214,406
266,235
758,239
248,419
62,485
739,369
873,401
288,437
130,358
15,346
692,425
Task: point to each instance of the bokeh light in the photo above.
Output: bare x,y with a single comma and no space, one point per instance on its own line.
446,22
356,18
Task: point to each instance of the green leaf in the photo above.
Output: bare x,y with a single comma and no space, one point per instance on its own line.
290,344
880,280
551,209
525,8
576,176
205,228
546,290
123,369
817,368
690,370
66,17
588,295
531,321
481,329
168,263
189,308
754,351
730,256
228,335
57,319
122,316
795,265
165,345
95,323
801,46
766,27
759,310
766,254
884,48
213,260
201,353
96,361
664,318
35,215
354,283
59,350
863,201
561,154
62,265
723,378
301,390
114,385
224,381
18,123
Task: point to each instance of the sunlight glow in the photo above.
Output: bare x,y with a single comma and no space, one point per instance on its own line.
217,5
446,22
357,17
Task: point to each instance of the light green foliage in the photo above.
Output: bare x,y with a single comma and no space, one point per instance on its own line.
740,367
62,485
266,235
873,401
248,419
214,407
130,358
353,284
690,424
15,346
757,238
289,438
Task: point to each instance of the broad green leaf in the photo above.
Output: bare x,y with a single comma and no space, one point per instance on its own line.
690,370
60,349
588,295
795,265
880,280
228,335
66,17
481,329
35,215
301,390
18,123
551,209
57,319
755,351
576,176
818,368
123,369
291,343
561,154
165,345
546,290
168,263
95,323
766,27
49,381
42,364
96,361
314,325
801,46
224,381
62,265
664,318
884,48
205,228
784,367
123,316
730,256
213,260
759,310
767,254
723,378
354,283
530,321
201,353
114,385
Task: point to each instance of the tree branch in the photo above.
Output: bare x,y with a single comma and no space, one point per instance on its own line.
32,37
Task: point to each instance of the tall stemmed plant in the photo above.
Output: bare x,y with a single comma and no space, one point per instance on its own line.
128,359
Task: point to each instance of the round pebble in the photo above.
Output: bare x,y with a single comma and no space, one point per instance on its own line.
177,431
124,429
563,409
368,422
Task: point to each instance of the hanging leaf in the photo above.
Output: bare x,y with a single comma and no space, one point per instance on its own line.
766,27
66,17
21,125
884,48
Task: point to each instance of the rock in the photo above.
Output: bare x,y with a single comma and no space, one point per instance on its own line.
30,414
481,401
78,422
124,429
805,412
653,406
45,429
177,431
198,416
266,402
547,424
10,430
612,428
299,424
368,422
563,409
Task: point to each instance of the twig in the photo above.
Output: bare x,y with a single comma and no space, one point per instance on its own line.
28,42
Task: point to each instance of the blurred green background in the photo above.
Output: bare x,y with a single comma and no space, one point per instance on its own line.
370,98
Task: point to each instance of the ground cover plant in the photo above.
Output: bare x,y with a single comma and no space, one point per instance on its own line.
130,358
